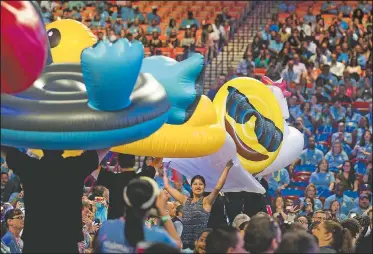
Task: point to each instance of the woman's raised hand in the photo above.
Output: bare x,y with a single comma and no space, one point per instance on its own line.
165,179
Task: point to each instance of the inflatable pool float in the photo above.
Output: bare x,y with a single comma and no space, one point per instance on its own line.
103,102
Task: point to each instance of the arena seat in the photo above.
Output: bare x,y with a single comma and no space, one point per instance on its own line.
351,194
305,168
292,192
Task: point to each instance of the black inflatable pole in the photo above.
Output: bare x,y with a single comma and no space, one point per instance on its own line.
37,7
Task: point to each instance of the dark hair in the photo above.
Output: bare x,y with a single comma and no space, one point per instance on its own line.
170,23
144,161
197,177
179,209
352,225
4,173
148,171
161,248
362,140
259,234
312,202
318,165
138,192
274,202
297,242
126,160
10,214
341,237
243,225
221,239
351,175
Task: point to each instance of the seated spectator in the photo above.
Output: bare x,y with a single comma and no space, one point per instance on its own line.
200,244
360,58
329,7
275,46
262,60
310,192
319,94
304,51
279,180
118,26
336,156
246,64
352,116
316,108
307,207
262,235
333,238
343,54
291,76
153,16
299,125
189,21
4,180
368,116
308,120
322,178
171,27
173,41
219,29
225,239
153,27
287,7
363,149
365,93
155,41
364,203
256,45
188,41
97,22
365,189
309,156
136,14
46,15
335,210
318,217
318,59
341,135
298,242
140,36
353,68
342,95
294,109
266,34
274,69
221,79
347,177
284,56
336,67
345,9
368,74
346,202
294,39
338,112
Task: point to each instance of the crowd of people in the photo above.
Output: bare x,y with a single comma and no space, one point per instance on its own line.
111,21
101,202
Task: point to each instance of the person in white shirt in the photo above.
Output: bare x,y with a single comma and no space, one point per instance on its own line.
318,59
298,66
337,68
306,28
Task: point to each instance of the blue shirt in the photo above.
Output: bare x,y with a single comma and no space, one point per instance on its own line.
343,57
47,17
278,178
295,111
358,210
338,115
275,45
336,160
318,203
325,7
346,203
118,27
152,16
362,61
309,19
366,8
10,241
112,240
311,157
345,9
265,36
189,22
126,13
136,15
274,27
322,180
150,29
356,202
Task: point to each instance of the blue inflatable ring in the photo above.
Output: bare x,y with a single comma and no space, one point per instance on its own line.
55,113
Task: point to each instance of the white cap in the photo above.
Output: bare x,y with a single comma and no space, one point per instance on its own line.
154,7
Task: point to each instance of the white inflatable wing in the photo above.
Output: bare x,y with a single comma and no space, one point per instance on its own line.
293,141
211,167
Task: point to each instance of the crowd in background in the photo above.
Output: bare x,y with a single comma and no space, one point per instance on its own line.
322,202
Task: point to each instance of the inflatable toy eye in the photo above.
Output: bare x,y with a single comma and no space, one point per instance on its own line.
252,116
68,38
54,37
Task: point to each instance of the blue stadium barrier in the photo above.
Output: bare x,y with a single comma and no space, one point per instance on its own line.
351,194
292,192
323,148
322,137
297,184
360,167
333,169
307,168
324,193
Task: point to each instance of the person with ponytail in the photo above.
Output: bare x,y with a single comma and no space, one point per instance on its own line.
197,208
127,234
333,238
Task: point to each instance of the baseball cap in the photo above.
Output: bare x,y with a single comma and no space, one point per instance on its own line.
363,195
365,187
241,218
154,7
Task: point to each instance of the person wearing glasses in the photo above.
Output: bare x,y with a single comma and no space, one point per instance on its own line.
14,220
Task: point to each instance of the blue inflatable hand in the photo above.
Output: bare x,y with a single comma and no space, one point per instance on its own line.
179,81
110,72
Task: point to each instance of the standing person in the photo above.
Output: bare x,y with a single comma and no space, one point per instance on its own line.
197,208
124,234
14,220
115,183
65,197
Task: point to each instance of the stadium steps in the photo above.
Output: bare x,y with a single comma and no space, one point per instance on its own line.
233,52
